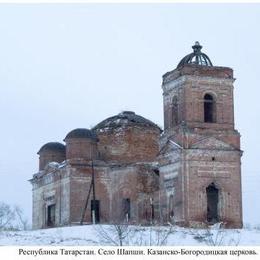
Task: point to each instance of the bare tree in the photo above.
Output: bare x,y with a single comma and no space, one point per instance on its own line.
126,235
158,235
215,235
12,218
21,220
6,216
115,234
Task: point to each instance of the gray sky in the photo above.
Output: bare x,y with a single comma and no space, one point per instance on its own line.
69,66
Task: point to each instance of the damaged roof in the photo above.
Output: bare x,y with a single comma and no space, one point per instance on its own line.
126,118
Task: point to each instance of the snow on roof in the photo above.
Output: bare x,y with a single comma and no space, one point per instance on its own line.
126,118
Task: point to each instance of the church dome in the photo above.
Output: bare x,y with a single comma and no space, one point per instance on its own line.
52,146
81,133
126,118
81,143
196,57
51,152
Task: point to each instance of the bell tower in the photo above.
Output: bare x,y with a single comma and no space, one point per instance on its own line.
200,158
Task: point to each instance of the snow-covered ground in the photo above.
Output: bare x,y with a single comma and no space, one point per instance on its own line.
131,235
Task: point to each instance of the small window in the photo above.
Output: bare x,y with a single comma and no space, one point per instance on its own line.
209,109
157,172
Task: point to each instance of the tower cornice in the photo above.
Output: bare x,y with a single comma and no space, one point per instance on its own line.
197,70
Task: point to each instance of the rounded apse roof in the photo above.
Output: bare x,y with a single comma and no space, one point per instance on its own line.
52,146
196,57
126,118
81,133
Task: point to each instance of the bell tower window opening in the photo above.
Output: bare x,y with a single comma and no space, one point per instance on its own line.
209,109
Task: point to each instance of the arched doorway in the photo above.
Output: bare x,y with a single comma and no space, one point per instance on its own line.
212,203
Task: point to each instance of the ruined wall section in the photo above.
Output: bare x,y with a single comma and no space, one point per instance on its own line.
203,159
81,148
173,94
50,156
51,187
189,84
128,144
113,183
136,182
171,184
221,167
210,150
222,91
51,152
81,178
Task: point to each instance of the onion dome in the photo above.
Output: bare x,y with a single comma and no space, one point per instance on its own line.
53,147
81,133
196,57
126,118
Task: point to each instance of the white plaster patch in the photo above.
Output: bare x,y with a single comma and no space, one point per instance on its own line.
171,175
168,169
173,84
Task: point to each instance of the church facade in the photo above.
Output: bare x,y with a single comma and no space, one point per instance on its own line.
127,169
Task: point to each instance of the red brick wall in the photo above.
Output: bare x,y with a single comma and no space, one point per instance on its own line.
196,168
81,148
50,156
196,82
130,144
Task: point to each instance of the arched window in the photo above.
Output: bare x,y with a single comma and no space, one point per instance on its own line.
175,111
209,109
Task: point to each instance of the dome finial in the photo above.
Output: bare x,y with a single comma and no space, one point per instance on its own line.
196,47
196,57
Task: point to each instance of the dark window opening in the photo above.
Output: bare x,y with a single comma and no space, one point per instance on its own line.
95,207
212,203
152,210
126,209
152,213
171,211
51,215
213,158
209,109
157,172
175,111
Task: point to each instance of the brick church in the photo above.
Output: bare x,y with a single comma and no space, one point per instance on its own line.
127,169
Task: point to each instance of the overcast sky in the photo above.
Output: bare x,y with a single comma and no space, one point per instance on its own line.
69,66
